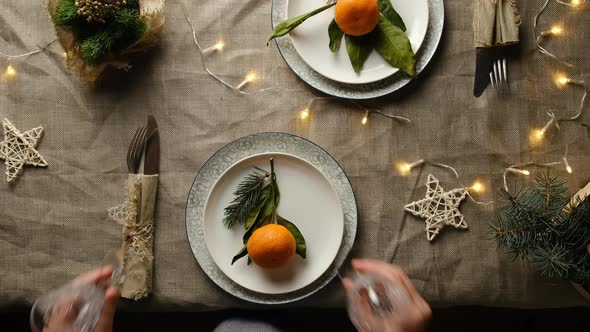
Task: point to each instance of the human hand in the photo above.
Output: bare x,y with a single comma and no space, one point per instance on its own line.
411,316
62,315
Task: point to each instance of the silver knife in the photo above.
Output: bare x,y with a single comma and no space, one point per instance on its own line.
152,149
483,66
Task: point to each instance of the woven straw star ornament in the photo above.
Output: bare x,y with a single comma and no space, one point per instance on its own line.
440,208
18,149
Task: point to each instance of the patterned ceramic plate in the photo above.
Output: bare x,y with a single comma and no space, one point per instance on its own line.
359,91
246,148
311,40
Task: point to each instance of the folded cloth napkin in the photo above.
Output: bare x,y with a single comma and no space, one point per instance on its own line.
495,23
136,215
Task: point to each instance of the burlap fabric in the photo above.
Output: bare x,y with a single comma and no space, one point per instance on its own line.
53,224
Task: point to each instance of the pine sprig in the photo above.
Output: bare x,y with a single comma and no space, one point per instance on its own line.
552,260
555,192
246,198
543,225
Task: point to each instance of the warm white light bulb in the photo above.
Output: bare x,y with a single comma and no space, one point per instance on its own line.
365,118
519,171
556,30
10,71
304,114
404,168
562,80
478,187
537,135
568,168
251,76
217,47
576,3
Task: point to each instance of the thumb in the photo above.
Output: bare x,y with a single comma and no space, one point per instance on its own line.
105,322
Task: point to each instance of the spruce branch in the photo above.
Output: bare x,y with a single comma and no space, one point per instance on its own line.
552,260
543,225
246,198
554,191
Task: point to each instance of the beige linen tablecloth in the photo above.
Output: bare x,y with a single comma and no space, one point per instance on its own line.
53,222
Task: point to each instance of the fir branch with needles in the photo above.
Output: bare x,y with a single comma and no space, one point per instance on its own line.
543,225
246,198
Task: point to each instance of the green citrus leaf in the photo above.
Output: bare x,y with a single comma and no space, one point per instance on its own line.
243,252
358,49
387,10
254,214
301,248
335,36
257,224
277,193
271,204
286,26
266,210
394,46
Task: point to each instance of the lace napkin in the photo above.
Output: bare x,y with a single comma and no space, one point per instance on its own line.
495,23
136,215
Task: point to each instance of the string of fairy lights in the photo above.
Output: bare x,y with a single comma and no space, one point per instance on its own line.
537,135
10,71
251,76
404,168
561,79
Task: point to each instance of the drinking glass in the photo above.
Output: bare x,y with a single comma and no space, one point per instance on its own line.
374,302
82,302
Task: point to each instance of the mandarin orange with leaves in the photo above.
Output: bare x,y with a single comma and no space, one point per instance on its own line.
357,17
271,246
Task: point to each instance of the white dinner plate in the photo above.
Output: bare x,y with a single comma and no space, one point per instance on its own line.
311,40
307,199
393,83
319,166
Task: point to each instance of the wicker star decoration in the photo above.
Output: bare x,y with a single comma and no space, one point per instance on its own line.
439,208
18,149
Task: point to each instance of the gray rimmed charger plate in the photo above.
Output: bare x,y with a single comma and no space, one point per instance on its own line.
253,145
359,91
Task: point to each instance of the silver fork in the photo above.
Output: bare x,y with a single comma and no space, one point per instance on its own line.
499,75
135,151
